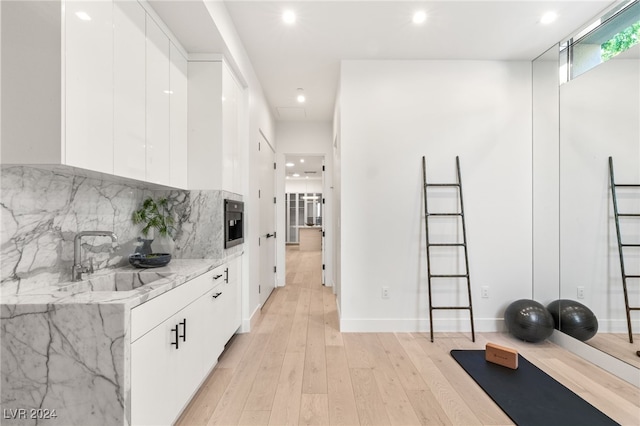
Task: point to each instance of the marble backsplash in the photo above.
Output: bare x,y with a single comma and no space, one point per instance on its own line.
43,209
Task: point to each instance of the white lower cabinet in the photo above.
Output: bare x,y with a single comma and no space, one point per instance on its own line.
155,389
171,358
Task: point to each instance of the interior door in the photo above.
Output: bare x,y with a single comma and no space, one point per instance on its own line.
267,219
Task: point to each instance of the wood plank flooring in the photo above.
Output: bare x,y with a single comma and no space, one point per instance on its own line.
296,367
617,345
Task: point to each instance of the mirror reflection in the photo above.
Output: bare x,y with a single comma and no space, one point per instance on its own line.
599,118
586,109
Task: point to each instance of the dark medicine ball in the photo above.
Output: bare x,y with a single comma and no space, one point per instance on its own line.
574,319
528,320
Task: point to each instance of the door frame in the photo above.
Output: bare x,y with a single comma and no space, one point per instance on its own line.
281,215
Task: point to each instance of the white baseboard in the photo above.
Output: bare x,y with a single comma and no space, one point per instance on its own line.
617,326
403,325
248,323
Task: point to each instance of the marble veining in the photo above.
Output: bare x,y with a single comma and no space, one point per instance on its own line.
41,210
65,346
69,351
200,227
50,351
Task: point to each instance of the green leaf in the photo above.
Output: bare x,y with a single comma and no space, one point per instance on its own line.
156,215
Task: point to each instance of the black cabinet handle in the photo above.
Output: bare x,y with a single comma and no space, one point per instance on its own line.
215,296
270,235
226,275
175,331
184,329
215,277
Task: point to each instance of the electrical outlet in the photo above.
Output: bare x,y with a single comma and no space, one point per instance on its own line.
385,292
580,292
485,292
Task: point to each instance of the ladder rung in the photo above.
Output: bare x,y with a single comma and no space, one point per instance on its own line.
632,276
451,307
450,276
631,308
630,245
629,214
447,245
628,185
444,214
443,184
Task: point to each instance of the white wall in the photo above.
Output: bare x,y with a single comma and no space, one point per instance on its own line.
392,113
303,186
311,138
259,119
599,117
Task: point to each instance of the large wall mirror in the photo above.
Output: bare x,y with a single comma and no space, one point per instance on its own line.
598,117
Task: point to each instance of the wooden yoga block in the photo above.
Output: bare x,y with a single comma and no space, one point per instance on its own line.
501,355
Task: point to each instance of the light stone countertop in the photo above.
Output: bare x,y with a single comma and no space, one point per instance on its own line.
173,275
53,337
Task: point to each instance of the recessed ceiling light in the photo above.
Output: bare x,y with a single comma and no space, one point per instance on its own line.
419,17
300,97
83,16
289,164
548,18
302,160
289,17
296,175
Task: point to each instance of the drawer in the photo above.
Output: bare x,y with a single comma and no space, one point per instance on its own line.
153,312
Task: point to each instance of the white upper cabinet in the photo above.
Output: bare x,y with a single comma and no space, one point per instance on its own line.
178,123
88,39
205,124
57,84
215,105
31,83
129,130
158,91
230,148
89,84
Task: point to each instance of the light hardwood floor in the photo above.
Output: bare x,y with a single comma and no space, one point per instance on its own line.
295,367
617,345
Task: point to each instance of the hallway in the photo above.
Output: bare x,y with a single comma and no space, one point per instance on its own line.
295,367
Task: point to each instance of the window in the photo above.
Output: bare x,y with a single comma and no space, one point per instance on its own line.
602,40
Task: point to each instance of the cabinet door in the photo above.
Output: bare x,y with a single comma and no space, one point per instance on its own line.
129,133
208,330
205,123
233,286
158,90
157,378
178,112
229,131
88,83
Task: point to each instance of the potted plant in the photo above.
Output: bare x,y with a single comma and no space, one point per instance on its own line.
156,217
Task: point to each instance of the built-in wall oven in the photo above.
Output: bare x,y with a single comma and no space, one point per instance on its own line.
233,223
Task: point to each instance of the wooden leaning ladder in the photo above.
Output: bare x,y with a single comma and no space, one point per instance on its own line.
622,246
463,244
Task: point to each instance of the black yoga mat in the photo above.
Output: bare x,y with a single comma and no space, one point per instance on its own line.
528,395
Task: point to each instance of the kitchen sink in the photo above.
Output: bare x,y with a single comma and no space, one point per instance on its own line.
117,281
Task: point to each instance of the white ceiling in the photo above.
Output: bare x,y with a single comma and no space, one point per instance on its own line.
307,166
307,54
